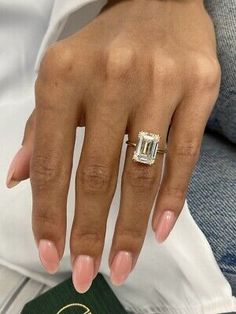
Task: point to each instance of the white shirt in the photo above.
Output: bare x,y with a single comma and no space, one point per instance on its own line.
180,276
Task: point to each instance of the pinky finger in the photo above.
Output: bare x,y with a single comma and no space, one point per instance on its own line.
183,151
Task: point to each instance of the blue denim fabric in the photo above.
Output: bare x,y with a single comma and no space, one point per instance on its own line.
212,200
212,192
223,118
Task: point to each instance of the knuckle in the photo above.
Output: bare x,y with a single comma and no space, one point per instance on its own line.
89,242
95,177
88,237
176,192
206,72
44,171
57,63
44,216
119,60
164,69
140,178
129,238
46,224
131,234
189,151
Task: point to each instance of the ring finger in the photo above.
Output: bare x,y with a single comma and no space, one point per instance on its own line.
139,187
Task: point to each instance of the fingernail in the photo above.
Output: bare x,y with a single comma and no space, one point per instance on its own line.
121,267
49,256
83,273
164,225
10,182
96,268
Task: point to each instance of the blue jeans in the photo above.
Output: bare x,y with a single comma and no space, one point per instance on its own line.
223,118
212,192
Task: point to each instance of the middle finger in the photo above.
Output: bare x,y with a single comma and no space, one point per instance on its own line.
96,178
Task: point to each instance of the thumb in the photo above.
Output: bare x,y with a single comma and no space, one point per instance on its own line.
20,165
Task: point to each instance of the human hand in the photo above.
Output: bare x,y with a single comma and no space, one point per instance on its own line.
139,65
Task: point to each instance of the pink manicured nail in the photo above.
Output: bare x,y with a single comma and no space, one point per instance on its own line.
10,182
121,267
83,273
49,256
164,225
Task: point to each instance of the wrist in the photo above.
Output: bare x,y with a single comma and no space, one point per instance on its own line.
179,1
156,8
159,2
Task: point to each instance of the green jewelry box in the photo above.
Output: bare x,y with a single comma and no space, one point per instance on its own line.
64,299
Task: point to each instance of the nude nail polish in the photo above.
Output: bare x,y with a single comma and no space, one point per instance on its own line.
83,273
121,267
164,225
10,182
49,256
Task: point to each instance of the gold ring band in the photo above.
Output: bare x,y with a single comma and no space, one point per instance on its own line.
146,148
160,151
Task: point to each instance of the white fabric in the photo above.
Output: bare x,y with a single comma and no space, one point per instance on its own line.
180,276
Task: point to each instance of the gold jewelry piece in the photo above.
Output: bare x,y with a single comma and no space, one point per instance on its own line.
146,148
77,305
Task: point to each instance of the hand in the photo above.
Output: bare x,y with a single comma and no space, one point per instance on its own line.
139,65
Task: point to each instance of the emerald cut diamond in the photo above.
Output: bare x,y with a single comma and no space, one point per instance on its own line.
146,148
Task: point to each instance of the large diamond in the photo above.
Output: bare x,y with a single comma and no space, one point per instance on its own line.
146,148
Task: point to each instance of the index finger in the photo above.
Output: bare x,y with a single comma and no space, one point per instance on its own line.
55,129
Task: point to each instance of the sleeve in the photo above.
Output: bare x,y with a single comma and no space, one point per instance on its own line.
65,14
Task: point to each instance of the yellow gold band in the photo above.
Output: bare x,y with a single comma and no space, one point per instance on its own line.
159,151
